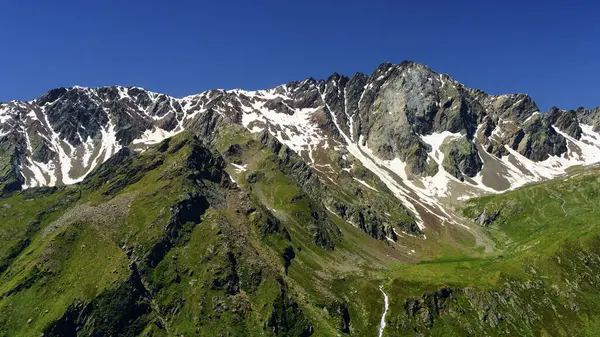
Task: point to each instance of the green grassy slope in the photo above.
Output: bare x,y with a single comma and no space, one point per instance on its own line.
542,280
240,237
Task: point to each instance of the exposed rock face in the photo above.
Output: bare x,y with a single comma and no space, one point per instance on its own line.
461,158
589,117
538,140
566,121
486,218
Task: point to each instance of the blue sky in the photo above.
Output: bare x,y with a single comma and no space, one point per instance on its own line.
550,50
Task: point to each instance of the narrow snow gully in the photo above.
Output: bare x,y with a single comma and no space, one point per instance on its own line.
385,310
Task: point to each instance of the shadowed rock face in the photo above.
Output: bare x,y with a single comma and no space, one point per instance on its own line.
589,117
566,121
539,140
99,317
11,178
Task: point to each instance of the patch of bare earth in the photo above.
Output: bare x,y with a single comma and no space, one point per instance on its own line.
106,217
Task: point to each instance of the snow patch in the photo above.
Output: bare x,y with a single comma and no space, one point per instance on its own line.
438,184
155,136
239,168
295,130
365,184
5,113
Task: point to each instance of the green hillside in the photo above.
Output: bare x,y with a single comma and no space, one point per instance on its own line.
239,238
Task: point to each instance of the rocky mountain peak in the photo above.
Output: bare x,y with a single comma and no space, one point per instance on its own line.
51,96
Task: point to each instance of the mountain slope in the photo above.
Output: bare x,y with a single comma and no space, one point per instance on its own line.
288,211
161,235
168,235
185,241
542,280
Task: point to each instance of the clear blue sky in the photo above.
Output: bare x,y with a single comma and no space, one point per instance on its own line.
546,49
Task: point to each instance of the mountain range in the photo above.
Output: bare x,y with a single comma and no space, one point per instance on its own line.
426,136
395,203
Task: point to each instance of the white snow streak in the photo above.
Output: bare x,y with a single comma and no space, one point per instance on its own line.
386,304
239,168
365,184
